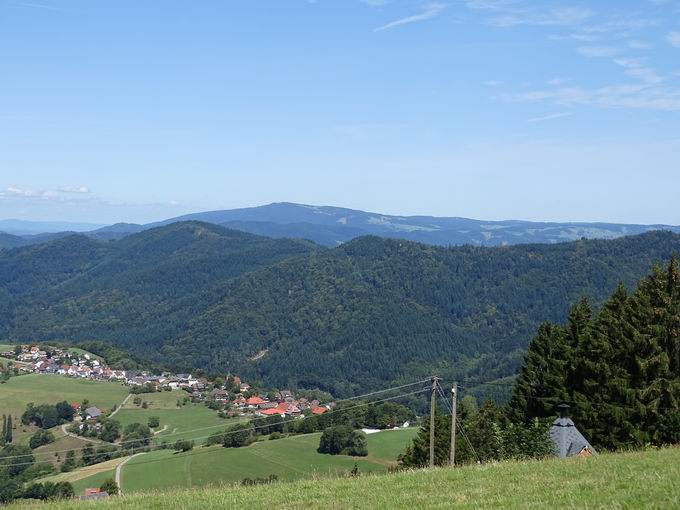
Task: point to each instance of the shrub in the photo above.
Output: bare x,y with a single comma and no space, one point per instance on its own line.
109,486
183,446
41,437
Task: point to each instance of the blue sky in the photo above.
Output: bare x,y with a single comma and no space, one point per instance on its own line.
133,110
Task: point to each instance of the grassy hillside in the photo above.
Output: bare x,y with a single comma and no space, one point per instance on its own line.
626,481
50,389
175,422
289,459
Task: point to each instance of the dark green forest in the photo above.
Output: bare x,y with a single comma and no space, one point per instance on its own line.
619,366
292,314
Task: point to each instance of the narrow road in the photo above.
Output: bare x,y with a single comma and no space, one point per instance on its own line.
165,427
88,439
121,405
119,468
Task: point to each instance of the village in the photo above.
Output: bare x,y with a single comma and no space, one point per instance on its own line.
230,396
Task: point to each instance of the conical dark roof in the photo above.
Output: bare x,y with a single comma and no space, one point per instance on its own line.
567,439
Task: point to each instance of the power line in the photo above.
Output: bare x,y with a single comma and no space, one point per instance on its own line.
184,433
460,425
225,433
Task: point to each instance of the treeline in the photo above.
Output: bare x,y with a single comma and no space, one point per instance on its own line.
18,468
619,366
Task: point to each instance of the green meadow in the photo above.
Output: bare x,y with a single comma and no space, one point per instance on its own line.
175,422
289,458
646,479
16,393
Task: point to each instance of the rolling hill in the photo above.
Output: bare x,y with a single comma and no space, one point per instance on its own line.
332,226
370,312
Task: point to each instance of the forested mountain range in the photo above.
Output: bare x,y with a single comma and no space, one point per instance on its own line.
293,313
332,226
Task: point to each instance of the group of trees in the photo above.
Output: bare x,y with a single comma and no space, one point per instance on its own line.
484,434
136,435
343,440
40,438
107,429
47,416
18,467
619,366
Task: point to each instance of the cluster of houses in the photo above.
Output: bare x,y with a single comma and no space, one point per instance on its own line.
283,404
240,401
63,362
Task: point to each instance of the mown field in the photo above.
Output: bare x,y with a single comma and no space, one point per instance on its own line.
175,422
289,459
623,481
16,393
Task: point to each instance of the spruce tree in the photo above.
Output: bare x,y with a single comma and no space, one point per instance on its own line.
541,384
8,431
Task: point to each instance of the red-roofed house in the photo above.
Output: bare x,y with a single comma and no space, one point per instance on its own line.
272,412
255,401
318,410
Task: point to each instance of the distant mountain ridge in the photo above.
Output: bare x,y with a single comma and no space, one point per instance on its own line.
332,226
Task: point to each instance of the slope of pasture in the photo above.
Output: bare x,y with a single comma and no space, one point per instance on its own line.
89,476
16,393
289,459
55,453
646,479
175,422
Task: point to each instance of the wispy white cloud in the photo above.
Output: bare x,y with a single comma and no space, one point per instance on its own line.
74,189
552,116
429,11
673,39
11,190
561,16
636,68
639,45
597,51
512,13
46,7
635,96
375,3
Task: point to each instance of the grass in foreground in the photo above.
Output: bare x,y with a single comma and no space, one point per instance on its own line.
629,480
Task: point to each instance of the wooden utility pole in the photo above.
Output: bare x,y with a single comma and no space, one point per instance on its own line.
454,398
433,400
